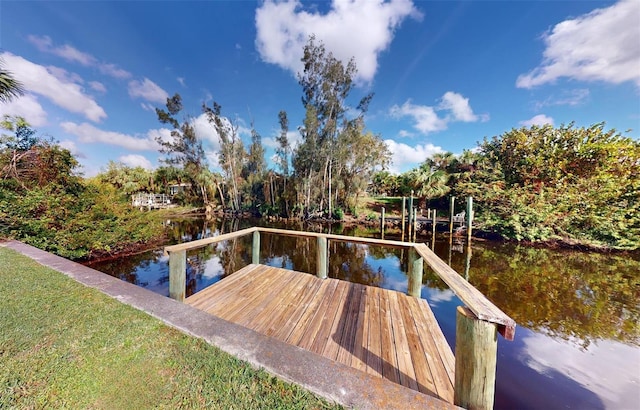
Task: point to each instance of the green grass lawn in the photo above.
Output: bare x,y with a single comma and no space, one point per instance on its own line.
65,345
371,205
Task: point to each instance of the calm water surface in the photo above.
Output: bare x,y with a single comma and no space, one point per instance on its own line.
577,343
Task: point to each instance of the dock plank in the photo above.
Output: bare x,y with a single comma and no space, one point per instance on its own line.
378,331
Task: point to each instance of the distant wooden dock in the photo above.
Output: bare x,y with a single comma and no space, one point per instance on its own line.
381,332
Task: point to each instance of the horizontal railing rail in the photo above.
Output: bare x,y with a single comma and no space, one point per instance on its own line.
482,307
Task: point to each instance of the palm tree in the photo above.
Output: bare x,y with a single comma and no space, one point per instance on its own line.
429,183
9,86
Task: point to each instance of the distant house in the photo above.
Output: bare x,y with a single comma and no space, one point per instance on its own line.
177,188
151,201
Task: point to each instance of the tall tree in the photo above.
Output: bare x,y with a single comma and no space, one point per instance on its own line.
232,153
326,83
283,152
184,148
254,171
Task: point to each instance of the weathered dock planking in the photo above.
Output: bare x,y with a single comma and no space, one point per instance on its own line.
381,332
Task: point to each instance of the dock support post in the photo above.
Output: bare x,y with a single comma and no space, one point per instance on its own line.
469,217
255,248
321,258
382,223
410,210
452,205
415,224
177,275
415,273
404,215
476,354
433,223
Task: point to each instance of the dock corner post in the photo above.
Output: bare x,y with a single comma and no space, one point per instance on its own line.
415,273
469,217
321,258
255,248
452,206
177,275
476,356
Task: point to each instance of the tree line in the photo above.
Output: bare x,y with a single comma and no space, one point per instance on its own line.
570,184
322,175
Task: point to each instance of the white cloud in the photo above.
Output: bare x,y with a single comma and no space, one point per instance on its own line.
163,133
616,379
114,71
206,131
72,147
64,76
135,160
148,107
460,108
404,156
571,98
39,80
283,28
293,137
598,46
72,54
426,118
45,44
98,86
538,120
147,90
181,81
26,106
87,133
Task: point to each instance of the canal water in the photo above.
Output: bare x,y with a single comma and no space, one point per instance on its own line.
577,343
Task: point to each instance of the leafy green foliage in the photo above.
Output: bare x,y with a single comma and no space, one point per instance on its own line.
9,86
571,184
336,157
44,203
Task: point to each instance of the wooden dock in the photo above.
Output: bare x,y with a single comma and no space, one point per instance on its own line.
381,332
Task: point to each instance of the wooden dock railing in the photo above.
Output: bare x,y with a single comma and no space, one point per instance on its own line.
477,323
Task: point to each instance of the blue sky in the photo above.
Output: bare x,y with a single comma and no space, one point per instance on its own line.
445,74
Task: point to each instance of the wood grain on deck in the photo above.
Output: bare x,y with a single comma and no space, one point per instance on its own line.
381,332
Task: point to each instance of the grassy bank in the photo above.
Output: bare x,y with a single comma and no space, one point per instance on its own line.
65,345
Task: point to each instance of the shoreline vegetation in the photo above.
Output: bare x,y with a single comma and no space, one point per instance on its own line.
544,185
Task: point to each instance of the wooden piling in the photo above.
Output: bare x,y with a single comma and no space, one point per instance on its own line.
476,354
410,210
177,275
382,223
404,215
321,258
255,248
415,224
415,268
469,217
433,224
452,205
